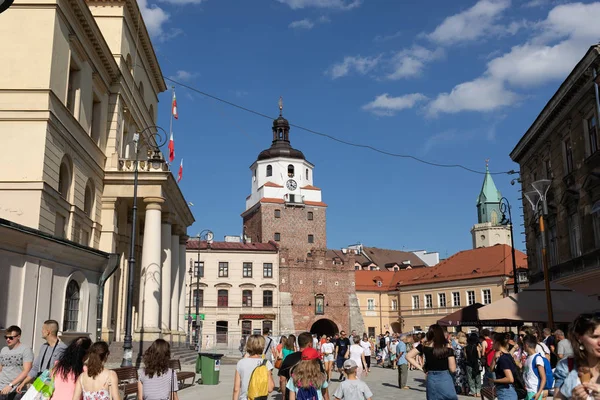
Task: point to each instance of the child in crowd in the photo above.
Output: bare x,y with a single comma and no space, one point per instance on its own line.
533,384
352,388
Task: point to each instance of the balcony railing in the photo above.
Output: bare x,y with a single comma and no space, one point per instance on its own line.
128,165
582,263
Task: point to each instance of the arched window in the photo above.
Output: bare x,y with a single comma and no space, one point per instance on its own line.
88,201
70,320
291,171
64,180
246,298
269,170
494,217
222,298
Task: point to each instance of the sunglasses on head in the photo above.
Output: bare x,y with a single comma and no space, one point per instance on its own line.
10,337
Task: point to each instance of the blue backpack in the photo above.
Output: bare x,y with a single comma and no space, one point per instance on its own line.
547,368
309,393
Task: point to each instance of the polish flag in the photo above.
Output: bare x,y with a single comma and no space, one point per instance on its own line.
180,173
174,106
171,148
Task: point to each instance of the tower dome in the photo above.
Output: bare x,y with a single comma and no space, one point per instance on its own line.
280,146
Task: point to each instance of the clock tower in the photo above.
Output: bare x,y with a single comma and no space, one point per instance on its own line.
316,285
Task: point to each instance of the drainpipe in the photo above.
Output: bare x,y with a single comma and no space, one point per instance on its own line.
111,266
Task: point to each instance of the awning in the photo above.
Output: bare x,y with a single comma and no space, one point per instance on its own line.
469,316
257,316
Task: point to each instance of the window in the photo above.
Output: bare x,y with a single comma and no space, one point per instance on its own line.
269,170
291,171
267,325
277,236
64,181
522,276
428,301
373,268
96,122
73,89
307,174
247,270
357,267
246,298
198,298
254,175
394,305
277,213
71,317
88,200
267,298
267,270
470,297
223,269
371,330
311,238
222,298
456,299
415,303
487,296
568,156
310,215
592,127
370,304
199,269
442,299
222,331
319,304
246,328
574,235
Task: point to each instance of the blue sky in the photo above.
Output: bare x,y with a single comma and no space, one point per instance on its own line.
447,81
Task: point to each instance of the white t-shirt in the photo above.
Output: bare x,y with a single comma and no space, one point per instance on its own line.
268,351
327,348
356,351
542,349
245,367
531,380
367,347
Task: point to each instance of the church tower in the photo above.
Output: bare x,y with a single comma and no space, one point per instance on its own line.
489,231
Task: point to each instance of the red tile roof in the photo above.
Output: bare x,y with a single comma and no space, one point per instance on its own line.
315,203
272,184
232,246
271,200
310,187
367,280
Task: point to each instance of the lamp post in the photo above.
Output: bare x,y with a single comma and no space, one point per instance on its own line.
156,159
535,197
505,209
208,236
4,4
189,332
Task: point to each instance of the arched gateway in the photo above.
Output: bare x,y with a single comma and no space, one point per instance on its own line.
324,326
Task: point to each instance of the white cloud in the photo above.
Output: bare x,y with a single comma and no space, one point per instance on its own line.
481,94
183,76
410,62
384,105
334,4
470,24
154,18
361,65
302,24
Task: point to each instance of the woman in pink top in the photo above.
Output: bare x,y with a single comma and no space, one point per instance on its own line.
68,368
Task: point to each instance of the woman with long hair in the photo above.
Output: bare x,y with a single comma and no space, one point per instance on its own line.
366,344
473,353
583,380
505,370
308,373
460,376
243,371
97,382
289,347
156,379
279,348
327,350
68,368
439,364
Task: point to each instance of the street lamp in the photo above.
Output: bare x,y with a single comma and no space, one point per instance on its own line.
505,209
208,236
189,333
156,160
537,195
4,4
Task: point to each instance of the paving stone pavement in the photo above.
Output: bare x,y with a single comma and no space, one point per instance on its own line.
382,382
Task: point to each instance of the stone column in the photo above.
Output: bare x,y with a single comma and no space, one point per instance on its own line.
108,243
165,303
182,262
151,273
174,284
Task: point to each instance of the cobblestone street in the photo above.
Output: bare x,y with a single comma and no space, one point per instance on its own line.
382,383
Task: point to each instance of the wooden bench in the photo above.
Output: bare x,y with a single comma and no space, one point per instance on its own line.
175,365
128,380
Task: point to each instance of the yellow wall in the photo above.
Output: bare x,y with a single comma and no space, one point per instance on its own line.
379,318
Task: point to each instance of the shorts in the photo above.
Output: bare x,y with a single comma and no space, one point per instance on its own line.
340,361
531,394
328,357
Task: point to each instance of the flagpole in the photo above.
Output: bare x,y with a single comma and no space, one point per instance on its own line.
171,122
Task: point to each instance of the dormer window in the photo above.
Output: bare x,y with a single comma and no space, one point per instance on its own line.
291,171
269,170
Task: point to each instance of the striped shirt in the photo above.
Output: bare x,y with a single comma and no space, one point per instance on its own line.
158,387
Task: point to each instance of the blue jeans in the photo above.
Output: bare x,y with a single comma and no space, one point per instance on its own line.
506,392
440,386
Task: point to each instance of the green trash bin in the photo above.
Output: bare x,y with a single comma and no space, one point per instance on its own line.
208,365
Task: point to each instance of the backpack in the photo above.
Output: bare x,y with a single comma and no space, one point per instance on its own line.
309,393
518,383
382,343
547,368
258,388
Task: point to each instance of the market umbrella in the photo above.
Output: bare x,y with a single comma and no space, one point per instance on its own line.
529,305
469,316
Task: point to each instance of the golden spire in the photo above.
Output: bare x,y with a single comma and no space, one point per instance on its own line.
280,106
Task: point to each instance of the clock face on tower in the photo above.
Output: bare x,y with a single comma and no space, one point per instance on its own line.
291,184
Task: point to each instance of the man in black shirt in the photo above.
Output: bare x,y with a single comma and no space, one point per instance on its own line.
304,341
342,346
